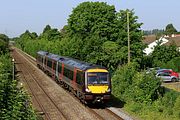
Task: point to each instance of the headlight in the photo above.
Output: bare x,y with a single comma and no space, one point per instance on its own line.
87,90
109,90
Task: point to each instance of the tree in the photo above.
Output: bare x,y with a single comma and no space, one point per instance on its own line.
163,54
47,28
50,34
170,29
4,37
3,43
93,18
91,28
25,37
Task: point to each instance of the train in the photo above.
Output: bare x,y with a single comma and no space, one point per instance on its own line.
90,83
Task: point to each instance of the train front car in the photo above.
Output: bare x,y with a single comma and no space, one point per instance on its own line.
97,85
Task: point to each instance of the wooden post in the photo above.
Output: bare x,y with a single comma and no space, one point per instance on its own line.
128,37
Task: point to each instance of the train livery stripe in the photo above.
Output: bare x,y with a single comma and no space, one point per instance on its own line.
97,70
98,89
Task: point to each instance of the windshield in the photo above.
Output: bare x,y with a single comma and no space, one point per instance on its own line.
97,78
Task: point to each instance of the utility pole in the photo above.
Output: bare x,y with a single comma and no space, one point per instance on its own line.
13,69
128,37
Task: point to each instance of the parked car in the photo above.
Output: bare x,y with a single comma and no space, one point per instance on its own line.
167,76
169,71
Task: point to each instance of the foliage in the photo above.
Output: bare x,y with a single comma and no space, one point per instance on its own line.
122,79
47,41
4,37
145,88
130,85
101,27
3,43
153,32
90,28
163,54
164,108
98,19
176,108
14,102
170,29
173,64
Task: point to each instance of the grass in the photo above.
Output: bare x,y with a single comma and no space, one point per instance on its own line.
173,86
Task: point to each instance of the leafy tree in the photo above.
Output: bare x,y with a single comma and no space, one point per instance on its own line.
170,29
99,26
3,43
96,18
50,34
163,54
47,28
26,36
88,29
3,46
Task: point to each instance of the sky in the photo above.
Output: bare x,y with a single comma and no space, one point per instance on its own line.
17,16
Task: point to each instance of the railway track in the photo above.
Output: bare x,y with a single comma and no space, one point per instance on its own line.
48,103
43,100
103,111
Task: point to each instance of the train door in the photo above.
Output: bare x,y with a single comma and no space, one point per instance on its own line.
44,61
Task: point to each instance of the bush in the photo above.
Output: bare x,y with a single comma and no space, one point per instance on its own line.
145,88
14,102
130,85
122,79
168,105
173,64
134,107
176,109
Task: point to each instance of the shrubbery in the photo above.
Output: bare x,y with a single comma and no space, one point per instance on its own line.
173,64
3,43
144,95
131,85
14,102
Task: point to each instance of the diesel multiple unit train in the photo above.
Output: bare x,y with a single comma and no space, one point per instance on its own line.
89,82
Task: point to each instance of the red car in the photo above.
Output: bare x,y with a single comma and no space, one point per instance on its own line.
170,71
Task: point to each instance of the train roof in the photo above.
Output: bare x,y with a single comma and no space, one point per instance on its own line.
79,64
54,56
70,61
42,52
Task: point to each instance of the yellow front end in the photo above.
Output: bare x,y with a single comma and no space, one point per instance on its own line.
98,89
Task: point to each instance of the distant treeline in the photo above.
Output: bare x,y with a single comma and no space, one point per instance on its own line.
169,29
153,32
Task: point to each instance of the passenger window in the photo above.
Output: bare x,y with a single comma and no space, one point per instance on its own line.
78,77
68,73
59,68
54,66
